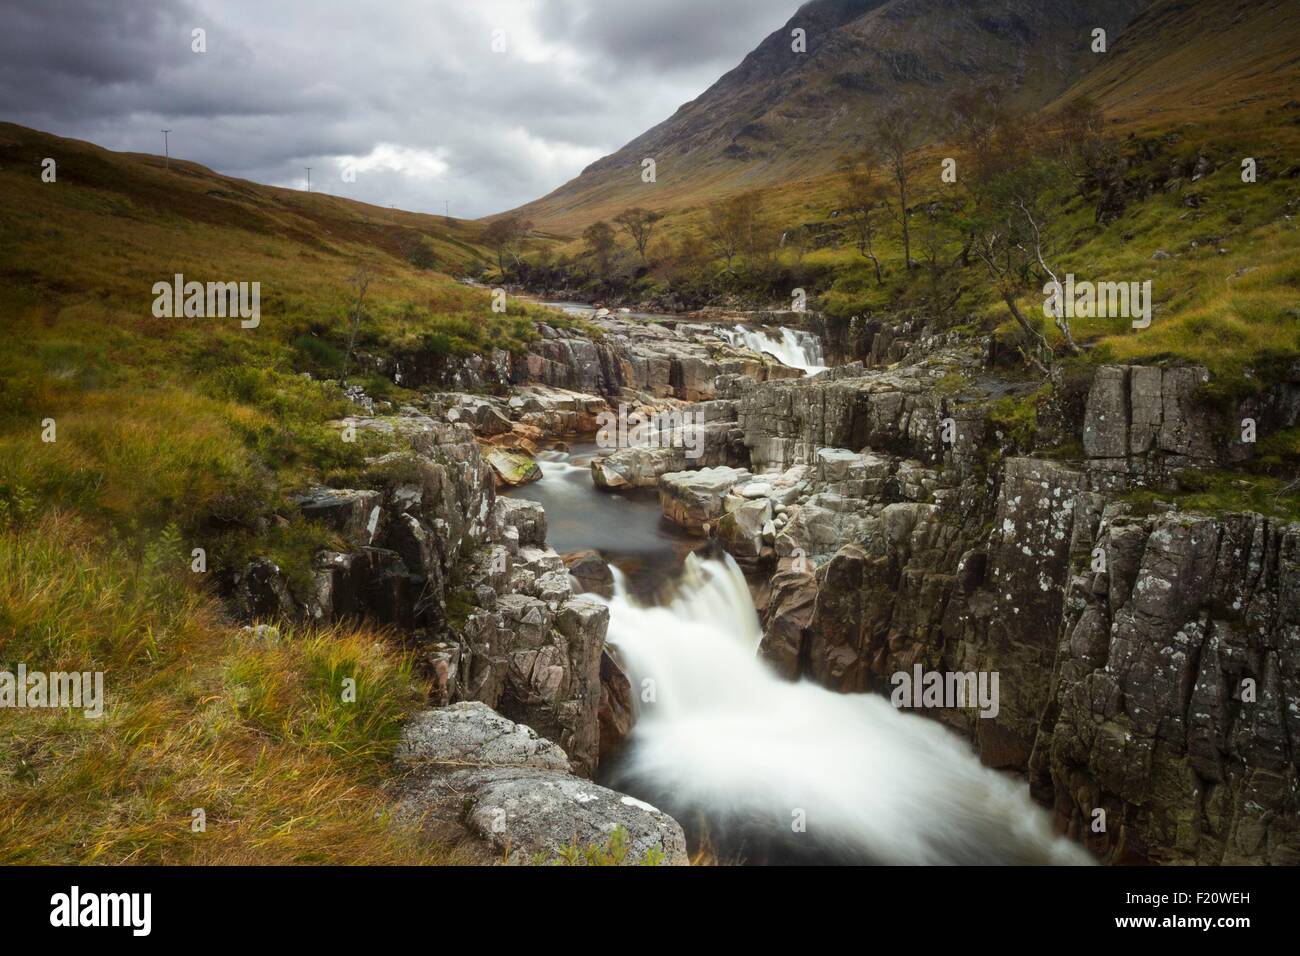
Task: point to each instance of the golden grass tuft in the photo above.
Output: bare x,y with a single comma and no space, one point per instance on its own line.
199,715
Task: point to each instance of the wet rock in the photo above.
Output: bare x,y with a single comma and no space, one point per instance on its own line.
617,705
742,528
694,499
591,572
512,468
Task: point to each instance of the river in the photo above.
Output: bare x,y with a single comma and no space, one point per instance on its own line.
761,769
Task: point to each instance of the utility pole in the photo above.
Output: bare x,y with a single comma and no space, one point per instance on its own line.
167,156
308,168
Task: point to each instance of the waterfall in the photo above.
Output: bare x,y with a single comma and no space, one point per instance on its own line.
795,348
725,739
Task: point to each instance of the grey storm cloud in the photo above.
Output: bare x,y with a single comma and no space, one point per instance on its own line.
408,94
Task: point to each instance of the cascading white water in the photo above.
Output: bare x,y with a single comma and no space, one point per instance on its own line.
728,740
795,348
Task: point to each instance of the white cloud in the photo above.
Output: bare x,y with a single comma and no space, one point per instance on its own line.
417,163
409,90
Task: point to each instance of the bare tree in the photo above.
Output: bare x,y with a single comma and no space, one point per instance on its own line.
861,196
360,282
895,135
1008,217
731,225
638,223
599,237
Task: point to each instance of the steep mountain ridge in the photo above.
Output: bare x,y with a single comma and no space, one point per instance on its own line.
782,115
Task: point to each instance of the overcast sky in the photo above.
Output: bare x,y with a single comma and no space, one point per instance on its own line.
408,93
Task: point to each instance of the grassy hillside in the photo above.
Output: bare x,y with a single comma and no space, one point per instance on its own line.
179,433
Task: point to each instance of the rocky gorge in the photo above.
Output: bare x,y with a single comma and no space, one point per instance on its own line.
888,513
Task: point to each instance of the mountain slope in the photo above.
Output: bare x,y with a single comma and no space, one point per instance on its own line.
1181,58
202,196
781,115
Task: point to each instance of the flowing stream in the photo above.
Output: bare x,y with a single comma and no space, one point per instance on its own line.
794,347
760,768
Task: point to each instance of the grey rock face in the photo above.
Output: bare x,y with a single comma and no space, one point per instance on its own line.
1174,709
1120,690
591,573
1146,423
898,412
466,766
519,640
649,361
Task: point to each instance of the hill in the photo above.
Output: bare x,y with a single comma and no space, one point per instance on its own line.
780,118
128,440
782,115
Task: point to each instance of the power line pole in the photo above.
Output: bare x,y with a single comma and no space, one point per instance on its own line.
167,156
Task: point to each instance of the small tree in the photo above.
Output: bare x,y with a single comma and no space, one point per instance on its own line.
360,282
504,237
691,254
1091,156
860,197
732,224
600,240
639,224
1010,221
896,137
421,256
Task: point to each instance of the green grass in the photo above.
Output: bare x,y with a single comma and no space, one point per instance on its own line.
173,434
259,735
1220,492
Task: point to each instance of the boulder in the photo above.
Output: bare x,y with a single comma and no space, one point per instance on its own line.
592,574
528,518
511,468
466,767
694,499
